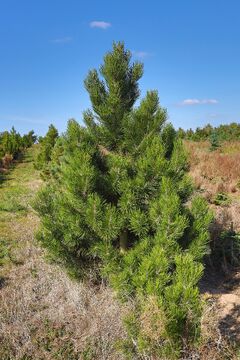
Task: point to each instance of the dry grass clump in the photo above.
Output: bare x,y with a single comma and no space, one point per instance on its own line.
226,218
152,320
213,344
231,147
6,161
46,315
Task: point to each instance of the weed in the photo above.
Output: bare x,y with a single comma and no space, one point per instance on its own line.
4,251
221,199
89,352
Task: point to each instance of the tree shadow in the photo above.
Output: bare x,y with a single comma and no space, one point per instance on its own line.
229,326
221,279
3,176
218,282
3,282
222,265
8,177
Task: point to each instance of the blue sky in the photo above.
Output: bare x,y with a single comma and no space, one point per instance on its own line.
190,48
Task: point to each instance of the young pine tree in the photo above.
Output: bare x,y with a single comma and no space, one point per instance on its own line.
29,139
119,193
46,147
214,141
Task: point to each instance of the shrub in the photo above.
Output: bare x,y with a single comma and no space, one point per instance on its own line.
118,194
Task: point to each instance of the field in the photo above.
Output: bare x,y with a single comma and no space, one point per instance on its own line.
45,314
216,176
217,171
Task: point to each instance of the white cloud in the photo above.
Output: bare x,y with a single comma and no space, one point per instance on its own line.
209,101
63,40
100,24
188,102
141,54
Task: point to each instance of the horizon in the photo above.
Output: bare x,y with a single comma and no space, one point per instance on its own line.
190,54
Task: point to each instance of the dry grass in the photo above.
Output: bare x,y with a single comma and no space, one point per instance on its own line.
217,171
46,315
213,344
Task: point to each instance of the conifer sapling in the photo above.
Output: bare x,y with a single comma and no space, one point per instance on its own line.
119,193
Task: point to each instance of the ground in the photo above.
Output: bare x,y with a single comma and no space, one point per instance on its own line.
47,315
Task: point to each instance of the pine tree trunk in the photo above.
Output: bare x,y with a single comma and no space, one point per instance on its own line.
123,241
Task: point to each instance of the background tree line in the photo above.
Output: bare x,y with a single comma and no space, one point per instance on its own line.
12,144
230,132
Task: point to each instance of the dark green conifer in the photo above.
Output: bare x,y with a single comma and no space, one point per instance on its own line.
46,147
214,141
118,193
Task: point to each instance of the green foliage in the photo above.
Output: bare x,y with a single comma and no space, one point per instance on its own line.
228,132
29,139
12,143
117,193
221,199
214,141
47,144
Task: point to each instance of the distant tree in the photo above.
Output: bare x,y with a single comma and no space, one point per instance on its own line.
181,133
189,134
208,130
46,148
119,195
230,132
214,141
29,139
12,144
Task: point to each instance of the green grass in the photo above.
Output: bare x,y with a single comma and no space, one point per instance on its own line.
4,252
17,190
